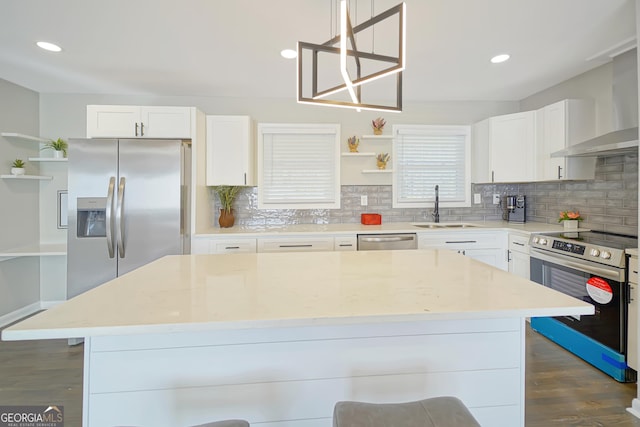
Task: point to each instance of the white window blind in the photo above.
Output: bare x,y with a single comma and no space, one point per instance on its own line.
299,166
426,156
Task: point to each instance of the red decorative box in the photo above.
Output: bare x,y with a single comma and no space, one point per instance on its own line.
371,219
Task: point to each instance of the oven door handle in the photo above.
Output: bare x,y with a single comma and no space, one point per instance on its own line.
609,273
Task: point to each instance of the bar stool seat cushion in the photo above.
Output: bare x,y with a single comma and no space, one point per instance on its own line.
443,411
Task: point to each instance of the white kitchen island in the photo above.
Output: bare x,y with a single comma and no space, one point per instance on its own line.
278,338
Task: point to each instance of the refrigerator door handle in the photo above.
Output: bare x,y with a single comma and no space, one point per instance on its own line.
120,217
109,216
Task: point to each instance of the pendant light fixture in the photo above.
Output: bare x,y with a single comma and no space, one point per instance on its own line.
336,73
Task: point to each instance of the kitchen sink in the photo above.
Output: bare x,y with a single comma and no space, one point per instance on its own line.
444,225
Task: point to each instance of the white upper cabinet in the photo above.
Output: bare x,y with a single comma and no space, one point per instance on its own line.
230,151
503,148
513,138
561,125
130,121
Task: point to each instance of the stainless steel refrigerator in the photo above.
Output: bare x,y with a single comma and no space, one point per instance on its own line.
128,205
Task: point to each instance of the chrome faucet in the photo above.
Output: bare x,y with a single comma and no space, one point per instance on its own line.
436,211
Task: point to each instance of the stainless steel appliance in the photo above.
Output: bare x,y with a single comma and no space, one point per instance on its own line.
128,205
378,242
590,266
516,208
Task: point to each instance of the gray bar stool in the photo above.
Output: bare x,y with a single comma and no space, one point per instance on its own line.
435,412
225,423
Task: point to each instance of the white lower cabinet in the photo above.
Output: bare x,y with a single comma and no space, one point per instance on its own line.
487,247
295,244
632,322
519,255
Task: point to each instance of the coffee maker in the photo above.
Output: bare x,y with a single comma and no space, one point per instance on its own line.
516,208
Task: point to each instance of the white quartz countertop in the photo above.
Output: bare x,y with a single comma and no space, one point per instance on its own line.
392,227
238,291
632,252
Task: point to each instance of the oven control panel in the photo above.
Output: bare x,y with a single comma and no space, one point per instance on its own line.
568,247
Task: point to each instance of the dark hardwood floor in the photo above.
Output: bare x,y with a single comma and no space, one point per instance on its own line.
561,390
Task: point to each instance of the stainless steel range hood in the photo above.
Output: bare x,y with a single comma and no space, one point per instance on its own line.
624,139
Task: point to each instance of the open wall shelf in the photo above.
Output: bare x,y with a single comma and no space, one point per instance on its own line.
22,138
37,177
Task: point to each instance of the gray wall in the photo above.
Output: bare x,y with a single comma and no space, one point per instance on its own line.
19,223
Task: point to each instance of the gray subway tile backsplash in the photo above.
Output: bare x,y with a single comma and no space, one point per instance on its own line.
607,203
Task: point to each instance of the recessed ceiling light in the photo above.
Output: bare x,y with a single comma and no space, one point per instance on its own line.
500,58
289,53
49,46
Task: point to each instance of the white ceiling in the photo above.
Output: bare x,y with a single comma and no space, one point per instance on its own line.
231,47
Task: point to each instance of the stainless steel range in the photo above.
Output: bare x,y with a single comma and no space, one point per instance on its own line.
590,266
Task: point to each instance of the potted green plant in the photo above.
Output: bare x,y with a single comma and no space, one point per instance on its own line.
227,195
59,146
17,167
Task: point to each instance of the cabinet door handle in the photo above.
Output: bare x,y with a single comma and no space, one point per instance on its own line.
245,178
559,172
461,241
493,176
296,246
517,243
508,255
345,245
232,247
136,128
141,129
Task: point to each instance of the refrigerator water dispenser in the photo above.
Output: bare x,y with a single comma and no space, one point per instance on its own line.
92,217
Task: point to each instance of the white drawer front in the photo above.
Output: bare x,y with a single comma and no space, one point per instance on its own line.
518,243
460,240
233,246
349,243
296,244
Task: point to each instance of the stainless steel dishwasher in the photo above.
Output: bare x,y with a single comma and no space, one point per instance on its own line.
380,242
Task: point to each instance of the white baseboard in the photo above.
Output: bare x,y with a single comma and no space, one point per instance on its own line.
635,408
20,313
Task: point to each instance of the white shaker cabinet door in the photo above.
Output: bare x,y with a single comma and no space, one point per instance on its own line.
165,122
561,125
512,143
113,121
230,151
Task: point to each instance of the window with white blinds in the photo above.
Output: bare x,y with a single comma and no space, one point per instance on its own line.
298,166
425,156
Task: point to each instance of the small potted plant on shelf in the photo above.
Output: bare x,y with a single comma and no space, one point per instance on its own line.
17,167
59,146
382,159
570,219
353,144
378,125
227,195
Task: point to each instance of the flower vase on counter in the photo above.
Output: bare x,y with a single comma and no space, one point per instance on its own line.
570,219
